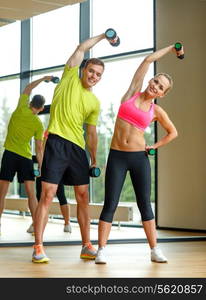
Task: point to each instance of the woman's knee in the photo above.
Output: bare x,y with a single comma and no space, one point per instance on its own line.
107,215
147,214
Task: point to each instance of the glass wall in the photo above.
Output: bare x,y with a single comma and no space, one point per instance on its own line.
133,21
134,25
54,35
8,101
10,37
53,38
9,84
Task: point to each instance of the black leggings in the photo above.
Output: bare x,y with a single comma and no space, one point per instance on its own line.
60,192
137,163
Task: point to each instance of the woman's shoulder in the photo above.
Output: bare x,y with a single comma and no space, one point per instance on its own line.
158,108
159,111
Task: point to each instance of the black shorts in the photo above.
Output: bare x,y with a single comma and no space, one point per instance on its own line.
64,161
12,163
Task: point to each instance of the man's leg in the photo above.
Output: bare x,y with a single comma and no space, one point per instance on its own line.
41,218
83,216
4,185
32,201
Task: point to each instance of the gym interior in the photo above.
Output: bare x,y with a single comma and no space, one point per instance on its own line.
37,38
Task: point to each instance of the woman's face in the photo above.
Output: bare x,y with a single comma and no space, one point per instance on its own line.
158,86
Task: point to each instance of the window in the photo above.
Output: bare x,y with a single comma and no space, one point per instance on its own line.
8,101
10,49
132,20
46,89
55,35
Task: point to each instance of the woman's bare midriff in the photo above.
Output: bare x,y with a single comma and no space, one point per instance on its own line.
127,137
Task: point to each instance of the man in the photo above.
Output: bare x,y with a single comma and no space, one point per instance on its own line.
65,158
17,157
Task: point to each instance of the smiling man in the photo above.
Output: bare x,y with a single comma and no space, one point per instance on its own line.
65,159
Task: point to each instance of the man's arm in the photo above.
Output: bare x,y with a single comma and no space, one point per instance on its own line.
141,71
77,57
28,89
91,142
39,152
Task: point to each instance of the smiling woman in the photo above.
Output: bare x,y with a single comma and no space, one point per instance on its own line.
128,152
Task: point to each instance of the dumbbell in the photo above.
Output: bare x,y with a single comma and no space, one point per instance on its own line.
151,151
54,79
178,47
94,172
112,37
36,172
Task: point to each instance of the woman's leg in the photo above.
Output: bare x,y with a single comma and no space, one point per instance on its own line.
114,179
141,180
140,173
65,209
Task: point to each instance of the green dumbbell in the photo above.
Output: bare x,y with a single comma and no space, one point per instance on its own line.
94,172
178,47
151,151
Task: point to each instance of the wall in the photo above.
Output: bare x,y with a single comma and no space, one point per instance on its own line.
182,163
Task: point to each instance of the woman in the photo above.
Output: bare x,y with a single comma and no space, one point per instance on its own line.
129,151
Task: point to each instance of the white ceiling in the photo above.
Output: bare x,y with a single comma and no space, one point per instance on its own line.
13,10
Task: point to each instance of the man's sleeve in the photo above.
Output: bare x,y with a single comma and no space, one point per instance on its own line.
68,73
92,119
23,100
39,134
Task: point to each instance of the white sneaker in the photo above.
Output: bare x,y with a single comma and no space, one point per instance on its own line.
157,255
68,228
30,229
101,256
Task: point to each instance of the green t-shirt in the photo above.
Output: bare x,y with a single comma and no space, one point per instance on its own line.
23,125
71,107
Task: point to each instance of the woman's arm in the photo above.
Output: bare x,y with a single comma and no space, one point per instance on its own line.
164,120
137,81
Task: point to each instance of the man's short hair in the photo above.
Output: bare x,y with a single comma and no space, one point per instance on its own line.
37,101
94,61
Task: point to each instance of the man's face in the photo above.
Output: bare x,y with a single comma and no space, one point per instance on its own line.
91,75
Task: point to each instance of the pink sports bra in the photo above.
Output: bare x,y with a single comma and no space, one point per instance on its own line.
135,116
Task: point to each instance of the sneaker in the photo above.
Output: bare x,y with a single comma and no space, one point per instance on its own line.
30,229
39,255
101,257
68,228
88,252
157,255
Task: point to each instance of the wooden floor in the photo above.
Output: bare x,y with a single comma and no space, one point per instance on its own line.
185,260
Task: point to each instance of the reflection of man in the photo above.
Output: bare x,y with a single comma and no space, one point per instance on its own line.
17,157
65,158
